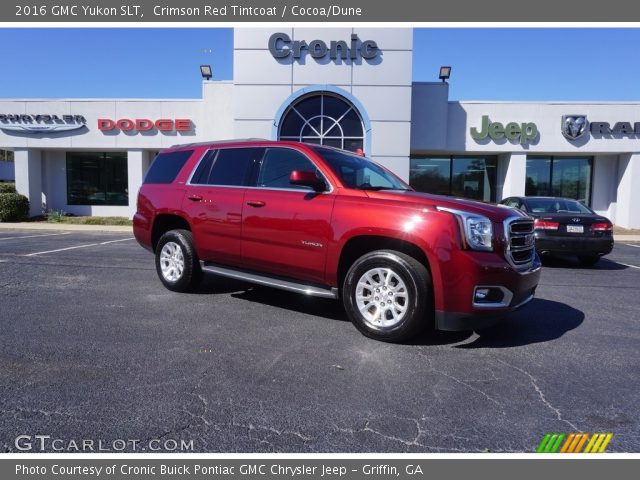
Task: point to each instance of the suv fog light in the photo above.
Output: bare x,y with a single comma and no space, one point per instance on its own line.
491,296
481,294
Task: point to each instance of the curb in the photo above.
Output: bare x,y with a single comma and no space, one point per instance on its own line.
626,238
65,227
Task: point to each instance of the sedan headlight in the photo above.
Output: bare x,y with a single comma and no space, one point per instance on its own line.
477,229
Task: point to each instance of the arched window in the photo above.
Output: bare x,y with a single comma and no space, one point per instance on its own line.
323,118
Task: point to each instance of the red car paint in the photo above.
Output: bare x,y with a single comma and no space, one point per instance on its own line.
289,234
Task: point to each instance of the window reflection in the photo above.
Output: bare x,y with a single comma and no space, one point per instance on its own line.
560,177
467,177
97,178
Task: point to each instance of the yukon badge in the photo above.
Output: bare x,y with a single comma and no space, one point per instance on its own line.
574,126
311,244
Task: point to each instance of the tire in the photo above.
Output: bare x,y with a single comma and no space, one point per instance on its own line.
403,315
177,262
589,260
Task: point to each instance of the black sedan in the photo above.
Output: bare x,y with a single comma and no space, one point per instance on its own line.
565,226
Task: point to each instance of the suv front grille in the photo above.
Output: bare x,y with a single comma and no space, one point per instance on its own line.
521,249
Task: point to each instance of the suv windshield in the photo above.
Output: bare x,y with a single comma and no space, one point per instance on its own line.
555,205
358,172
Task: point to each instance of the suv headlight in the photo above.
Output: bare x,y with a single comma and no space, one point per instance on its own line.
477,229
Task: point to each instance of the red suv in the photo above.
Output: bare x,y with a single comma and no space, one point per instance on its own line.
325,222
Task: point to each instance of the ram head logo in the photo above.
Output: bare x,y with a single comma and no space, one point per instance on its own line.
574,126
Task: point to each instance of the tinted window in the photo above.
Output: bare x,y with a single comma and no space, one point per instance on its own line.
277,165
233,166
97,178
555,205
165,166
201,175
358,172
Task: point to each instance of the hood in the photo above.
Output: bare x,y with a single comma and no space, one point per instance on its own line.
497,213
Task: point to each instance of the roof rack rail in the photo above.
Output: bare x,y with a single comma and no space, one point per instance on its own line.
220,142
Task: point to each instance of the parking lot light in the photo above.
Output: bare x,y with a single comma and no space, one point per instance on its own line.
206,72
445,73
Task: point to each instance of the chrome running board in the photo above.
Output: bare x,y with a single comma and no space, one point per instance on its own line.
274,282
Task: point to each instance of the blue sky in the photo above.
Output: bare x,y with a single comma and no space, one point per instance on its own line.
488,64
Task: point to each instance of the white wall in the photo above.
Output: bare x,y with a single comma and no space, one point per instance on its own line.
29,178
604,185
628,193
512,175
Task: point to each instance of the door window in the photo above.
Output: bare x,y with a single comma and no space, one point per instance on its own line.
277,165
233,166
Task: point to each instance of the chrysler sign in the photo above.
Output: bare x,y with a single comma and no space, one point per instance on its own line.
282,47
40,123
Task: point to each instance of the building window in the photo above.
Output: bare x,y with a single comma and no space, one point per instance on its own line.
468,177
97,178
568,177
6,156
325,119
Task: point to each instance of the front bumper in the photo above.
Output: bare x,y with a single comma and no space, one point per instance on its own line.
574,245
459,311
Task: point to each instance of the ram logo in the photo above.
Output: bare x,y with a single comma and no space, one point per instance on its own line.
574,126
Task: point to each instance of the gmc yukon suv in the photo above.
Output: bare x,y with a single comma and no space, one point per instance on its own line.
325,222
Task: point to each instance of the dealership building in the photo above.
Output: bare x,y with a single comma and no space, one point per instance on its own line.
346,87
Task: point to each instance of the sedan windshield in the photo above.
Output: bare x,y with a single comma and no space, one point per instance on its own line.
555,205
359,172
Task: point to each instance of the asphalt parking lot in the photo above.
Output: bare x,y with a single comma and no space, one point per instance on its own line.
92,347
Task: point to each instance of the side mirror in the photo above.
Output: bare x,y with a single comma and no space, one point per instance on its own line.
307,179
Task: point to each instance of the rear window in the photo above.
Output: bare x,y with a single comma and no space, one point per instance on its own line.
555,205
165,166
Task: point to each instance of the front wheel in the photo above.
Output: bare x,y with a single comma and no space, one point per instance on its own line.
387,295
177,262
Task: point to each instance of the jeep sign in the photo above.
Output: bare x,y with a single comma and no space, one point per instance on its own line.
522,133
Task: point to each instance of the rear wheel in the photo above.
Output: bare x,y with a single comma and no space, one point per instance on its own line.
387,295
177,262
588,260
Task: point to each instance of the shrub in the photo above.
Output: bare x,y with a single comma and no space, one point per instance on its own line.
7,187
13,207
55,216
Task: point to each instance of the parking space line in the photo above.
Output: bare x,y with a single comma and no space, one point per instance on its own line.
631,245
627,265
35,236
77,246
